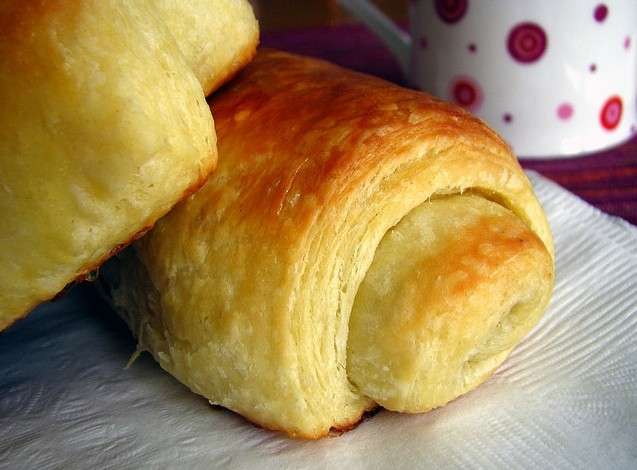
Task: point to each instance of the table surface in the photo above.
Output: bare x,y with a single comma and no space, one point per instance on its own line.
607,179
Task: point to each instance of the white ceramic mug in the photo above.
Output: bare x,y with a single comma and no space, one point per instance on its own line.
553,77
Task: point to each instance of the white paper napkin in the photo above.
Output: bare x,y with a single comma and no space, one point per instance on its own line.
566,398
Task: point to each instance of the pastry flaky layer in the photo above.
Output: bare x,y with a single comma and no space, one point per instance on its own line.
217,37
103,127
359,244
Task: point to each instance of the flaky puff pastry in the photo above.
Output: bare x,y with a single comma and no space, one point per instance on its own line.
103,128
217,37
359,244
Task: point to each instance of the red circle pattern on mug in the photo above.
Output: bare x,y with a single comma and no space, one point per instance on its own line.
527,42
466,92
611,113
451,11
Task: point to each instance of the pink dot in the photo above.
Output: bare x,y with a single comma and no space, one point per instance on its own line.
466,92
592,68
472,48
507,117
527,42
627,42
600,12
451,11
565,111
611,113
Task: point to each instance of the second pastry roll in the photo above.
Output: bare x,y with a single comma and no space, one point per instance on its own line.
359,244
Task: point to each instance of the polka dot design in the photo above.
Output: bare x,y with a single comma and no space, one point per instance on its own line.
600,13
565,111
527,42
451,11
466,92
611,113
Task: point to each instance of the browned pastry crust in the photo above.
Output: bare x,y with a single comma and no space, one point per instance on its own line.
359,244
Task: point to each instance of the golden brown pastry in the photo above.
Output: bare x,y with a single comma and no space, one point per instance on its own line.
103,128
359,244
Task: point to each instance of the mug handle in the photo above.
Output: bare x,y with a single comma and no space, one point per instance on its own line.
396,40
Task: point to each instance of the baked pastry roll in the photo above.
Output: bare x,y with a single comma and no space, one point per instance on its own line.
103,128
359,244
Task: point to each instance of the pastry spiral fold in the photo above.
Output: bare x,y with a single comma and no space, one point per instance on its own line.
359,244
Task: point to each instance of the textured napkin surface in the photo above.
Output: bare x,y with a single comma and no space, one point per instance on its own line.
566,398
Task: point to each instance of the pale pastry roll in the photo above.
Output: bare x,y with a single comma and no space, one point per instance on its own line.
217,37
103,128
359,244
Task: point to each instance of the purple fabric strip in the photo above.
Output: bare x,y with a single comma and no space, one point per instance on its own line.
606,179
